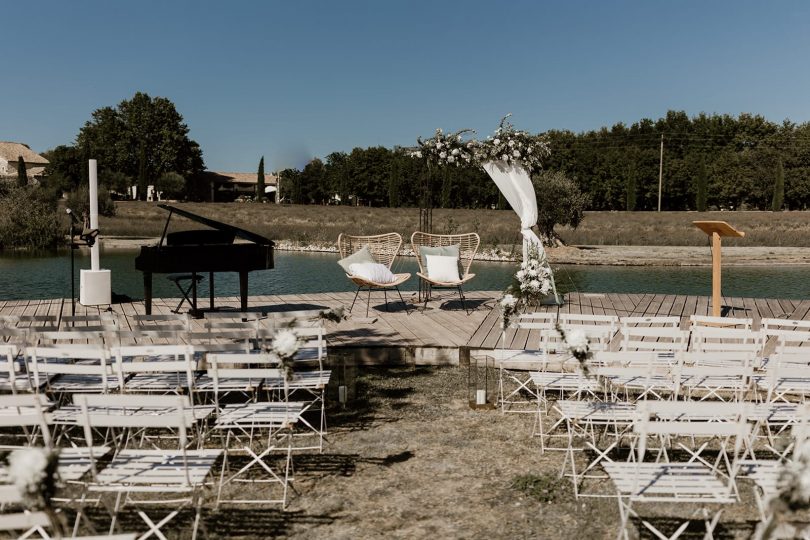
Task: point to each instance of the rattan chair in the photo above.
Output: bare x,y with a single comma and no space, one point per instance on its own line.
468,246
384,249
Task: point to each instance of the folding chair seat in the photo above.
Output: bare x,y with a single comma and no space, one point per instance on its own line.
68,369
173,478
783,383
105,322
721,383
638,481
13,375
710,339
787,346
664,339
637,381
162,369
655,321
600,329
165,321
743,323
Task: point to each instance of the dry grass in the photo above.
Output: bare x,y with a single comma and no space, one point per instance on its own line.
322,224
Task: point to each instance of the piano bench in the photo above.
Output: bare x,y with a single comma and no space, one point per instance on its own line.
185,283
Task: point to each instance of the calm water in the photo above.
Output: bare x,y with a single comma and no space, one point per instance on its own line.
26,276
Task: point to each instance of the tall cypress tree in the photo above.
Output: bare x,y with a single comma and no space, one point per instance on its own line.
631,190
778,188
22,173
142,180
701,198
260,182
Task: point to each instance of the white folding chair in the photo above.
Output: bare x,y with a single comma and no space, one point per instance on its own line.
257,428
639,481
173,478
515,391
162,369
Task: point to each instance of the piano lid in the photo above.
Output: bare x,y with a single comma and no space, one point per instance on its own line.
241,233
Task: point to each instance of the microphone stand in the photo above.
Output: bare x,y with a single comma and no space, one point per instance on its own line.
73,246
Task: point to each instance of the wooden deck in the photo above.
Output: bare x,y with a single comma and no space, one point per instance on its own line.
438,334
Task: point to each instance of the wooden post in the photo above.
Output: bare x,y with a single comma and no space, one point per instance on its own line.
716,230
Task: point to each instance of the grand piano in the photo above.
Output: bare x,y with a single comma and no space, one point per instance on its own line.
207,250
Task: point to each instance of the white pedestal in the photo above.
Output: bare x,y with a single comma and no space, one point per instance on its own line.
95,287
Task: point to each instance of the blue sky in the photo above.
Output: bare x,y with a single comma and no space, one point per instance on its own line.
297,79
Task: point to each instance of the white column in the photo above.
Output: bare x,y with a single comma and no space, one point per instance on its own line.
94,251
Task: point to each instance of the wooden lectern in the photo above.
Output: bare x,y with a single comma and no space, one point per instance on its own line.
717,229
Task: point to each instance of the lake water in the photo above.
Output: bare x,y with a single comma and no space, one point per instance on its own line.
48,276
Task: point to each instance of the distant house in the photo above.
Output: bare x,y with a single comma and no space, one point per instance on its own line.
229,186
10,153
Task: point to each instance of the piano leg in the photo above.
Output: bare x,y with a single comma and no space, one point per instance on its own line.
147,291
243,289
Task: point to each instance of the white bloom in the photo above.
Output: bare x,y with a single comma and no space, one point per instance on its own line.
529,150
520,275
438,144
442,155
451,159
516,153
459,138
505,157
285,343
524,265
532,272
577,341
26,468
535,285
508,301
496,141
546,287
455,151
511,142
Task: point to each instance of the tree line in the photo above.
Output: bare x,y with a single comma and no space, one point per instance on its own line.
709,162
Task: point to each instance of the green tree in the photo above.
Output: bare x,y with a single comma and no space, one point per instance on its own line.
701,197
79,201
28,219
170,185
779,188
64,169
143,137
631,190
117,181
560,202
22,173
260,181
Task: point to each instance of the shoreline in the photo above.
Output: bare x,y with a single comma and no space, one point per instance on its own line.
597,255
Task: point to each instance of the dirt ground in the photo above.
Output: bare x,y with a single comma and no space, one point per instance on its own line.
408,458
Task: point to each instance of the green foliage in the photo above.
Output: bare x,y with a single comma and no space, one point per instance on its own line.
290,184
143,137
559,202
778,188
546,488
260,181
22,173
79,201
64,170
312,186
631,192
702,186
117,181
28,219
170,185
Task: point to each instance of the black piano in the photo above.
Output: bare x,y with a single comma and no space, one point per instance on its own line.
200,251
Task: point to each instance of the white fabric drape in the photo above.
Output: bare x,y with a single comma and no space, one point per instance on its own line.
516,186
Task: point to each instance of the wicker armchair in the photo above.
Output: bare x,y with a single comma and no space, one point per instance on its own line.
468,246
384,249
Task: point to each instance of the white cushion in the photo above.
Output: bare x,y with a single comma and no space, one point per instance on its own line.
442,268
375,272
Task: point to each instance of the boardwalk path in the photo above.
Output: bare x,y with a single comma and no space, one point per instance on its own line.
438,333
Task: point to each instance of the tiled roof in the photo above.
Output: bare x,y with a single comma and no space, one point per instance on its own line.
11,151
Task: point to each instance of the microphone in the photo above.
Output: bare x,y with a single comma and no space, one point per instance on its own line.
68,211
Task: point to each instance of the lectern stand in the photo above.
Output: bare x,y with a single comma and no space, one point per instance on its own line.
716,230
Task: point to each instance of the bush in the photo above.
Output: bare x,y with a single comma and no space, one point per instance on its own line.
79,201
171,185
559,202
28,219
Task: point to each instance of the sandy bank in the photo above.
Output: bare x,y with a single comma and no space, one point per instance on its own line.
608,255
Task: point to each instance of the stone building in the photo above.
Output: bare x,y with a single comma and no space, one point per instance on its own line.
10,153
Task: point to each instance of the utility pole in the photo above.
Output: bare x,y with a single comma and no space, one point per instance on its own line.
660,171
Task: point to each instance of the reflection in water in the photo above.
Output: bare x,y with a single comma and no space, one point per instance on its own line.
48,276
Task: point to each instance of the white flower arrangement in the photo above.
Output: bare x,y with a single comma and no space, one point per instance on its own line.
444,149
34,472
284,347
533,278
792,495
578,344
509,307
514,147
